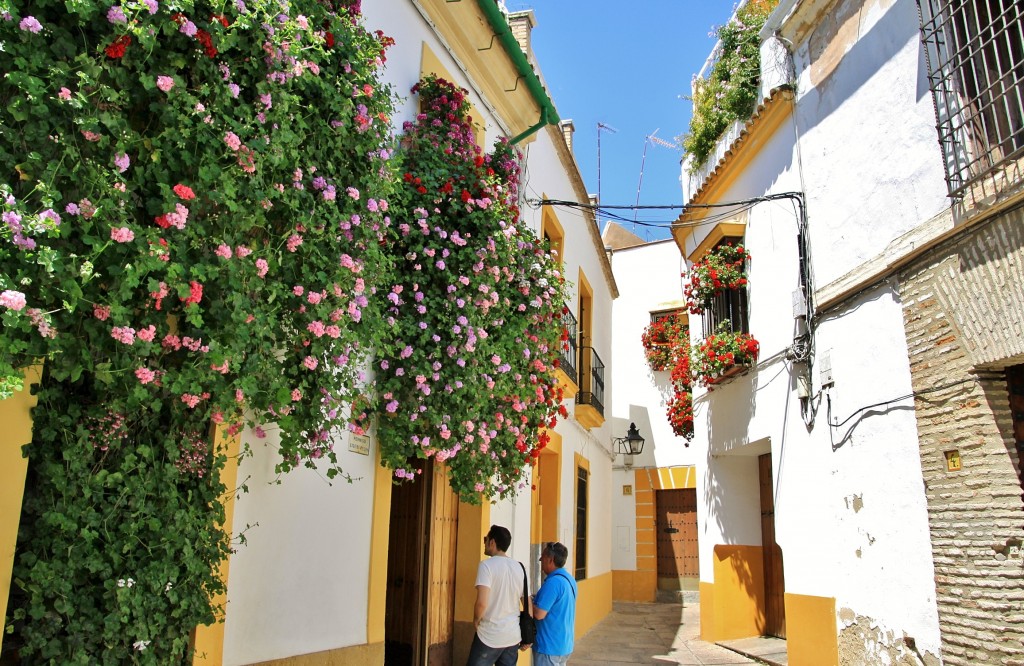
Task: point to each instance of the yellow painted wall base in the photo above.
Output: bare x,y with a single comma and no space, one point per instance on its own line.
16,417
811,633
353,655
208,639
634,585
594,602
735,606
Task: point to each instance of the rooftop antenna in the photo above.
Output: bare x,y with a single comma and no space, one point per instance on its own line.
600,126
648,140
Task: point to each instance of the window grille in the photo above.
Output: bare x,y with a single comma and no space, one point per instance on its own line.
726,310
664,314
568,351
974,51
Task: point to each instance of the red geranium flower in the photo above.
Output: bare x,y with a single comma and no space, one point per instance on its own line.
184,191
117,48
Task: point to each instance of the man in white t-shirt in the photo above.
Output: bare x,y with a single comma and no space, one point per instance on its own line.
499,588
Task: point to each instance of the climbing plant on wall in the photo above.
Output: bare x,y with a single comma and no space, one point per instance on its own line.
467,375
730,92
194,222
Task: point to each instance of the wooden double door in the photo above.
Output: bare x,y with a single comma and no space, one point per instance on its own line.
676,525
420,602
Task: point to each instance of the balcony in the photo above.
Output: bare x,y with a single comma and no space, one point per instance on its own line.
590,399
568,376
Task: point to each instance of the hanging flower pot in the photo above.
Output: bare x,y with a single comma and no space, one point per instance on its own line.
721,269
664,340
723,355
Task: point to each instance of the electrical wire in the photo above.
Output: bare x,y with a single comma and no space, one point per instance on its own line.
912,394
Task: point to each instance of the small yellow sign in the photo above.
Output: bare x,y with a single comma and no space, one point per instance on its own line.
627,490
952,461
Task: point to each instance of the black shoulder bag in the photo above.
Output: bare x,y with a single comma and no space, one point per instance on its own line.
527,625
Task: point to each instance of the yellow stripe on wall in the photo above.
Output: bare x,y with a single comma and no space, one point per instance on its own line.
16,417
209,638
811,633
594,602
735,607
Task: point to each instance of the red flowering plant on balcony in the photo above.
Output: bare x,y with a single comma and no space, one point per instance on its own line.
720,354
662,340
667,347
721,269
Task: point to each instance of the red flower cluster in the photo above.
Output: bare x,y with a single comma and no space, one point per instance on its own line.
117,48
721,269
722,351
662,339
680,414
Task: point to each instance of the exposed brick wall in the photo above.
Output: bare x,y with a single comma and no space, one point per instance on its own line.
963,300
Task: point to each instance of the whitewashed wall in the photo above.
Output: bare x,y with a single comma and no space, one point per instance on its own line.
546,176
872,167
850,512
299,584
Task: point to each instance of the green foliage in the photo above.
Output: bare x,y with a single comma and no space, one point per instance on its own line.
118,535
189,196
730,92
467,377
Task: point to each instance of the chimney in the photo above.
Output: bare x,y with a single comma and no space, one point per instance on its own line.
522,23
567,131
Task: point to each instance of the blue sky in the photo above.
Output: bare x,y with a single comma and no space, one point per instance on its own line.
627,65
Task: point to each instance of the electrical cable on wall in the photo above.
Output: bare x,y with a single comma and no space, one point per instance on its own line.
912,394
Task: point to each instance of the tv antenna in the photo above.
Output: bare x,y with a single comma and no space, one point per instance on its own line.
648,140
609,128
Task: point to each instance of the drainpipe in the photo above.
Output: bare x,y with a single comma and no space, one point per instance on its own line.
502,30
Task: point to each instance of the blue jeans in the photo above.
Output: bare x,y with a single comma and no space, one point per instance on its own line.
541,659
482,655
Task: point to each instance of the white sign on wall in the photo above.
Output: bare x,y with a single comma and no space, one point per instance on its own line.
359,444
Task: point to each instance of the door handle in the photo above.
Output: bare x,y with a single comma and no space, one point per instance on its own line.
671,530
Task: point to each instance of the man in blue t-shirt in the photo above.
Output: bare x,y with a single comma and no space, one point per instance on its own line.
554,608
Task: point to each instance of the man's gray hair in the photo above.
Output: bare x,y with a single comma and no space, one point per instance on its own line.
558,553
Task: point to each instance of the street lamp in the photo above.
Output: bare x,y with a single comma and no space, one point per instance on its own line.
630,445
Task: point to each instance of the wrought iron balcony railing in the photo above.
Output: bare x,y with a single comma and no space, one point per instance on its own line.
592,380
569,351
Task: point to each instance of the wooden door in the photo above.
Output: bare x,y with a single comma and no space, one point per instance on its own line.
404,597
440,593
419,614
774,581
676,526
1015,387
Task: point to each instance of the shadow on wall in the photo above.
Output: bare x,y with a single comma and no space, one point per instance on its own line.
730,411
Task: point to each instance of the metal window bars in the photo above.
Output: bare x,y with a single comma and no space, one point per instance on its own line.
726,309
974,50
568,351
592,375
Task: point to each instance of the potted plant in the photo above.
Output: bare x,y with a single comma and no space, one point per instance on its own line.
723,355
663,340
721,269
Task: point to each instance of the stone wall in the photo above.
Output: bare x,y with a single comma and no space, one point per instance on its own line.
963,307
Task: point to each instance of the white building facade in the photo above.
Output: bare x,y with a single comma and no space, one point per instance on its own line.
403,559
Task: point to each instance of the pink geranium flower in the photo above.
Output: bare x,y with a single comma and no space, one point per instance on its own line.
164,83
122,234
14,300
